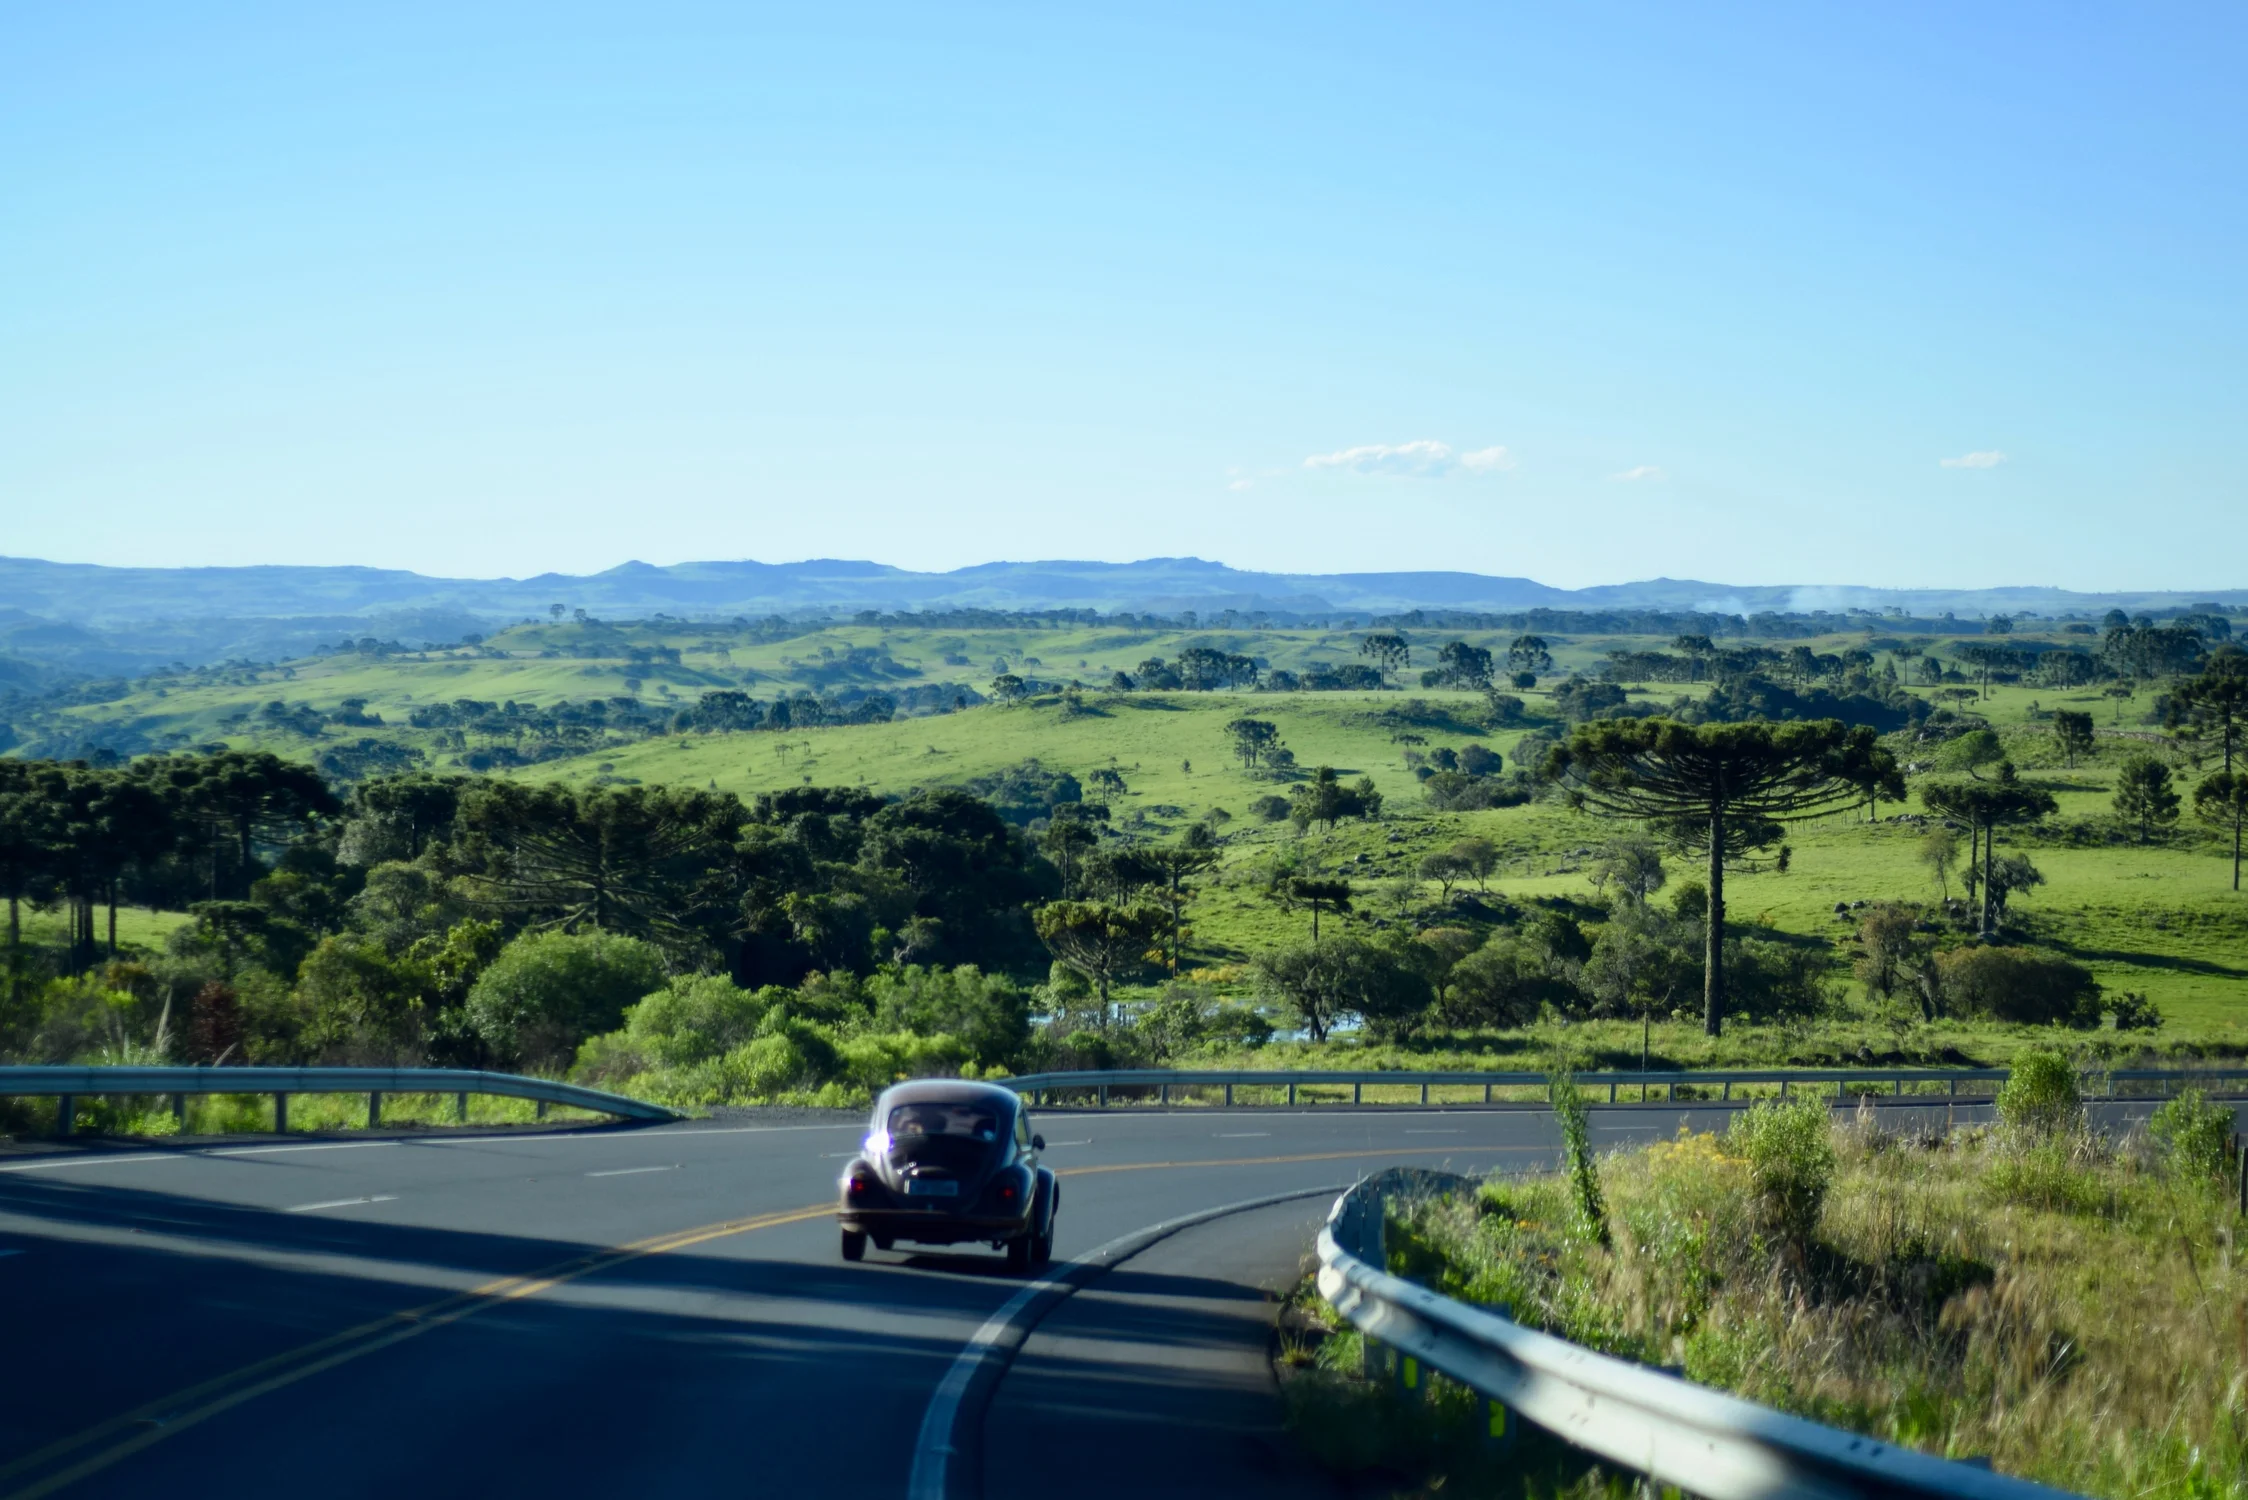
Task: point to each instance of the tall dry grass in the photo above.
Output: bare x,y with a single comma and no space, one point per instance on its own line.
2072,1307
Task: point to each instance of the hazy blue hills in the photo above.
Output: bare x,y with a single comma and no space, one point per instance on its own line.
83,618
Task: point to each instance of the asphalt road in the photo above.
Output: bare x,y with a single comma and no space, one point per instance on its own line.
658,1311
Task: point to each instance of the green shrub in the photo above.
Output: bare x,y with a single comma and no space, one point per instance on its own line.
548,991
2019,984
2040,1097
1790,1152
1576,1135
2196,1135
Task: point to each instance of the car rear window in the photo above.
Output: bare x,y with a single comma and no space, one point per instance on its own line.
975,1122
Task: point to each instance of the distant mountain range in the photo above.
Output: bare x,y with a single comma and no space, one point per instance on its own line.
83,617
87,594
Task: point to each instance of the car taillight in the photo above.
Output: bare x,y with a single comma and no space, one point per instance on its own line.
855,1186
1008,1192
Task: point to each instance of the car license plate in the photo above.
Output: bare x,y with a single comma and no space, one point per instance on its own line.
931,1187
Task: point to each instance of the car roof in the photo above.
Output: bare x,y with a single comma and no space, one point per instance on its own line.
945,1091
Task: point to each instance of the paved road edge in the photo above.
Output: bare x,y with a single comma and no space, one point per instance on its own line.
945,1453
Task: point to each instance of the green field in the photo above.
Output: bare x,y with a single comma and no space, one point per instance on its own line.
2159,919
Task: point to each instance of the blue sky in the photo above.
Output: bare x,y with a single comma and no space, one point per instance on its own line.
1935,294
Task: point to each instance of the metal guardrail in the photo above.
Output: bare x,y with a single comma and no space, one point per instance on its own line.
1042,1086
1705,1442
72,1083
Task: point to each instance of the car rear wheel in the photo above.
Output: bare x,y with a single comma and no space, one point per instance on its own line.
854,1245
1022,1253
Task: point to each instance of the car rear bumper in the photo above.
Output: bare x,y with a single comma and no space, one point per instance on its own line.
924,1227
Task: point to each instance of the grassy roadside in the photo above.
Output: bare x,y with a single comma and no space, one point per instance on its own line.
2071,1306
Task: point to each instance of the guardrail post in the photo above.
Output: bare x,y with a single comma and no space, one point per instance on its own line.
540,1112
1728,1091
374,1110
280,1113
1291,1094
1104,1096
1357,1093
1900,1088
460,1107
1164,1095
1486,1093
1229,1096
1783,1088
1955,1087
179,1111
66,1115
1672,1096
1424,1093
1611,1091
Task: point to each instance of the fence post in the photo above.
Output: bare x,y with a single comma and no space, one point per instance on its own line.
280,1113
374,1109
66,1115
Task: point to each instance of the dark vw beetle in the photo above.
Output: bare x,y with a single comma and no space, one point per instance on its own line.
950,1163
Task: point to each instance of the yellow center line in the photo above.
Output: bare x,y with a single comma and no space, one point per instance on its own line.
173,1414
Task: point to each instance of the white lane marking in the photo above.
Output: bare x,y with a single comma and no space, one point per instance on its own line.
1050,1145
278,1150
87,1161
829,1155
313,1208
933,1449
1245,1135
1436,1132
632,1171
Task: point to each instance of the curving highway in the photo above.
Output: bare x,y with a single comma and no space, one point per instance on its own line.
662,1311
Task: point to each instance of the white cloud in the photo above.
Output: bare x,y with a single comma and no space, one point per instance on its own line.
1648,472
1242,484
1989,458
1423,458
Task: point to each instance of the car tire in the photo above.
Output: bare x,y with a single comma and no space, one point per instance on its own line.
1022,1253
854,1245
1042,1252
883,1242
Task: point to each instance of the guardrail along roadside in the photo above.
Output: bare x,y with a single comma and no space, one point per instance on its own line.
70,1084
1312,1086
1702,1441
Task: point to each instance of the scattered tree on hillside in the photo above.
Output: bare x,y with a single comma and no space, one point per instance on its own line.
1985,806
2215,703
1099,941
2221,801
1721,776
1389,652
1253,739
2144,795
2072,731
1528,654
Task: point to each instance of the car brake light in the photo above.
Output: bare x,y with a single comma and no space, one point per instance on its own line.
1007,1191
856,1185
